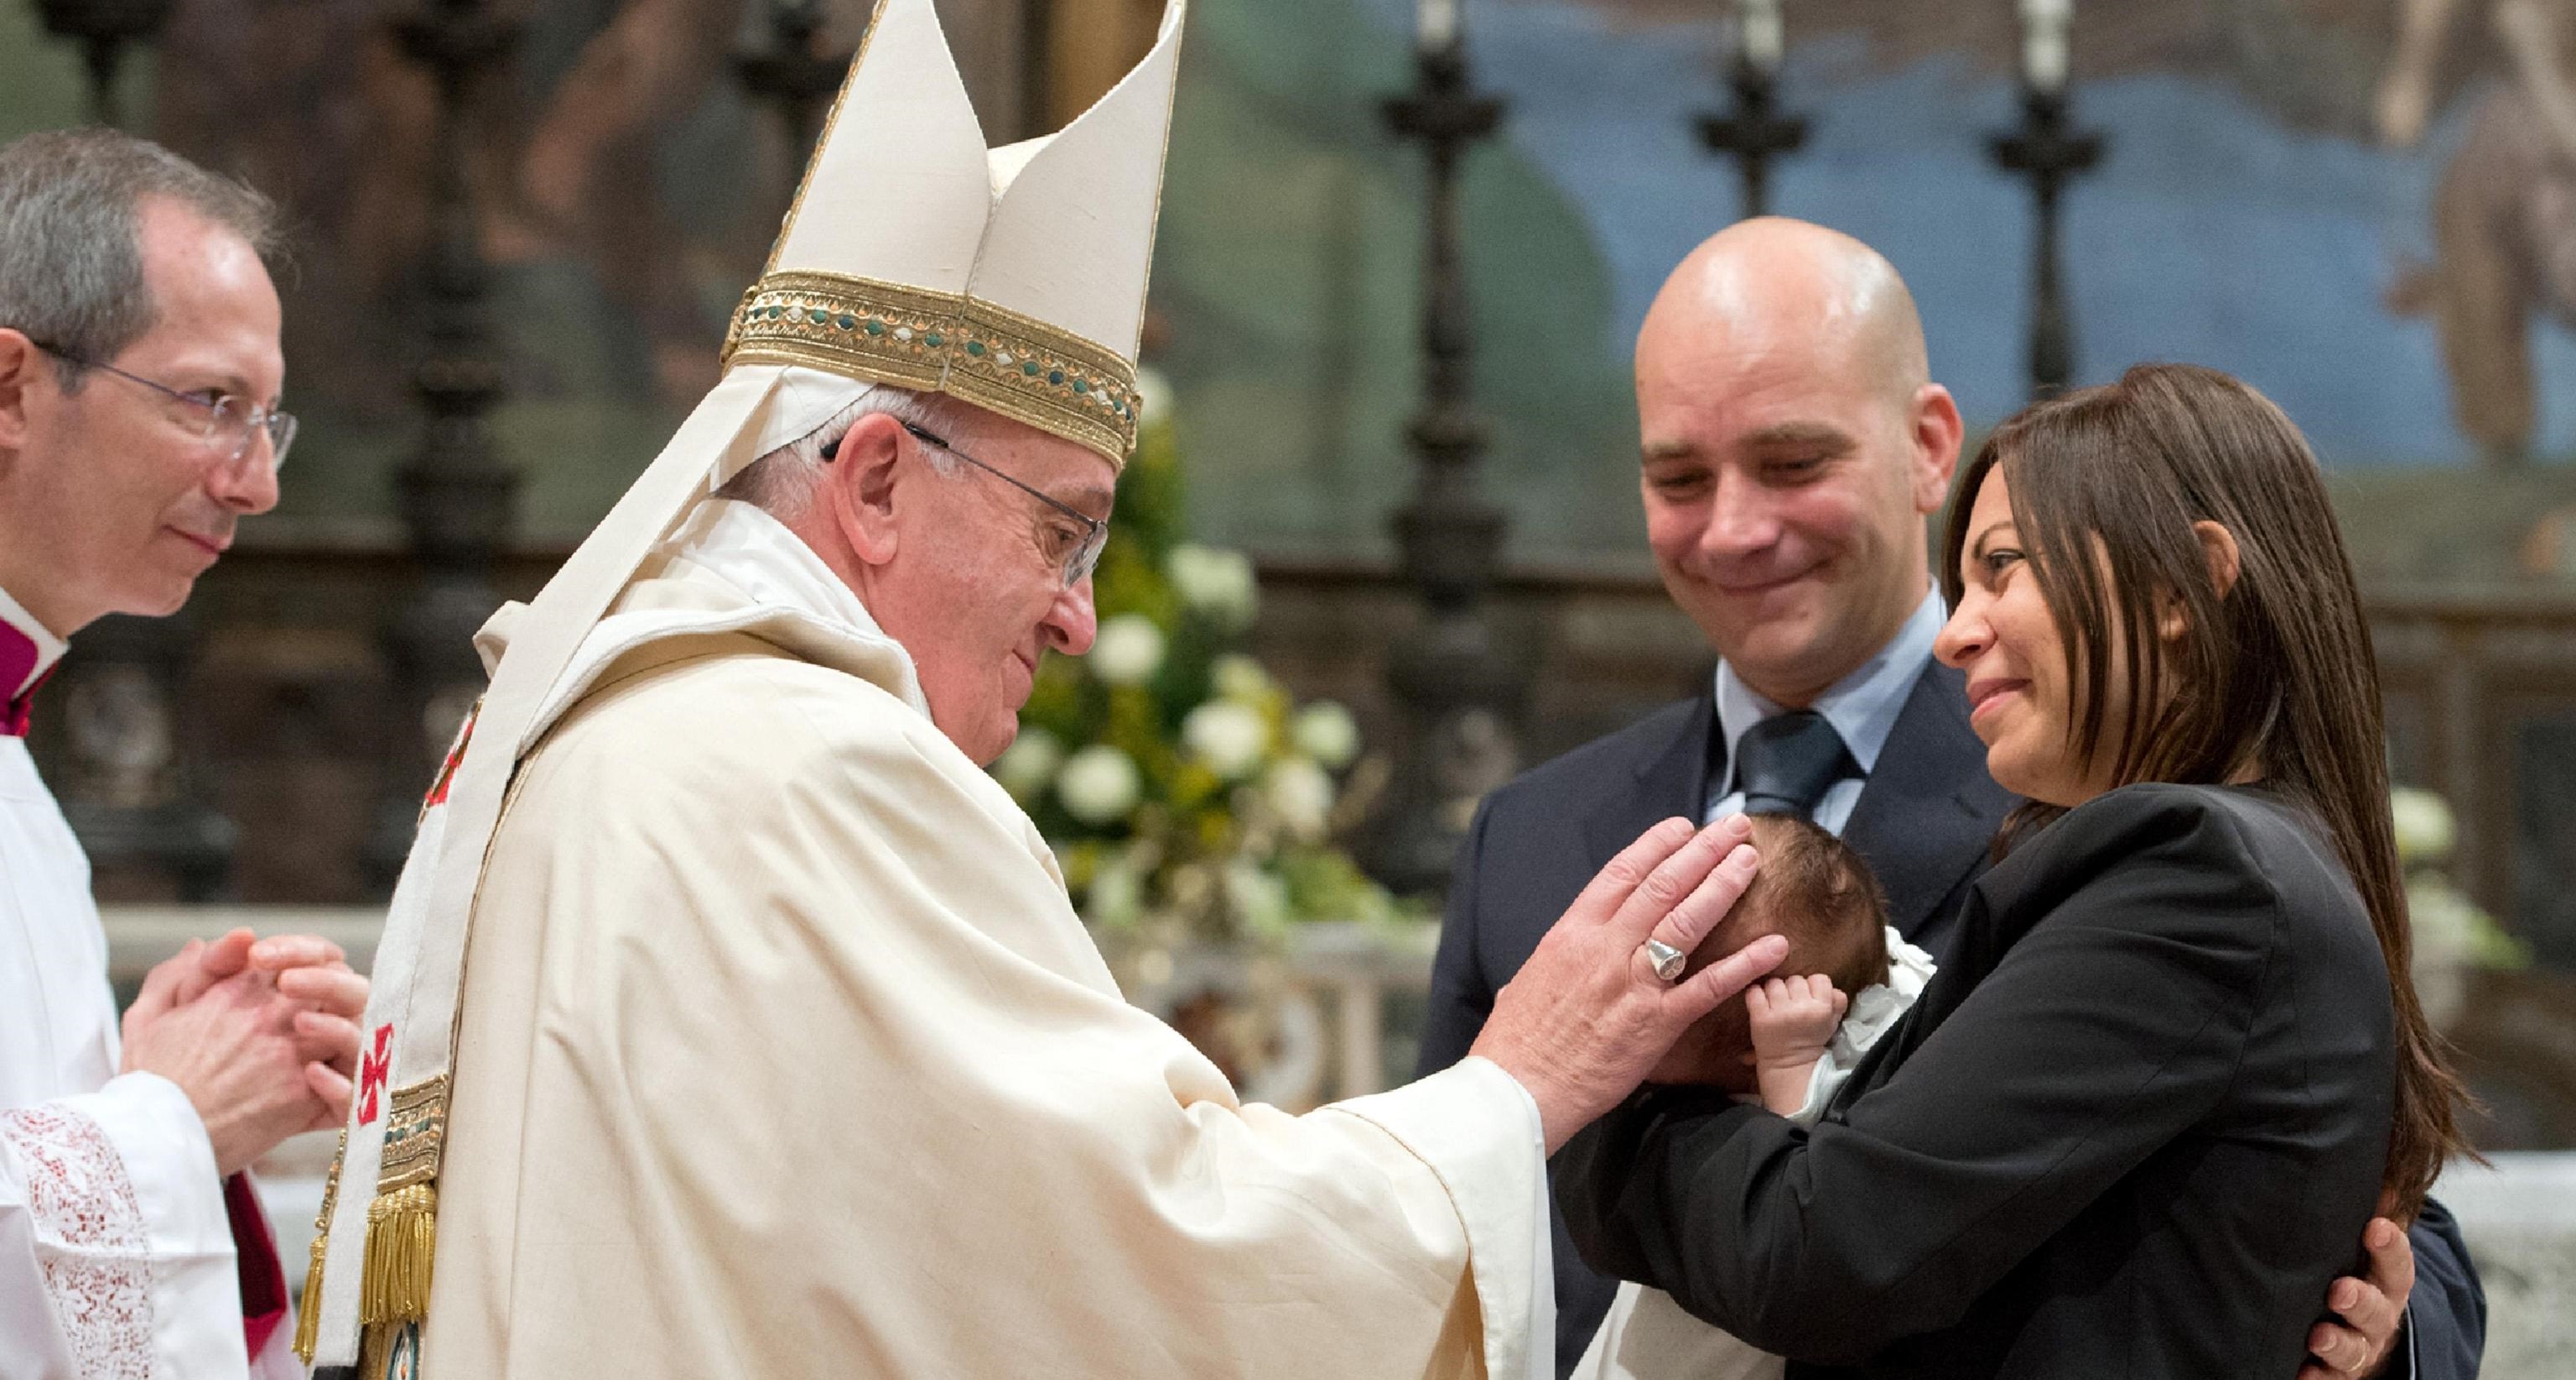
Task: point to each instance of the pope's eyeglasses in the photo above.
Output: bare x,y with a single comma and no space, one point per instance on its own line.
229,421
1080,553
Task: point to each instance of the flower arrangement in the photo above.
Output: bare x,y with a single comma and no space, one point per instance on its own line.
2452,935
2448,925
1186,793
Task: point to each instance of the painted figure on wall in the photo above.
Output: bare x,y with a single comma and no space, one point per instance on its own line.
2253,215
574,147
2504,218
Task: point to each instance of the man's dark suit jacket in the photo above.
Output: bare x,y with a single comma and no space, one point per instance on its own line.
1924,821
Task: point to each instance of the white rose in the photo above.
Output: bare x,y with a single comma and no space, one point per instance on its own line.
1025,767
1239,678
1187,565
1301,794
1099,785
1128,650
2425,831
1326,732
1259,898
1228,737
1153,395
1219,584
2444,926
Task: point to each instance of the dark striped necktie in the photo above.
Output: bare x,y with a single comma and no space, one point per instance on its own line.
1785,763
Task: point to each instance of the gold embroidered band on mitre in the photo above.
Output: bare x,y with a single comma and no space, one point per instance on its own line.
402,1219
990,356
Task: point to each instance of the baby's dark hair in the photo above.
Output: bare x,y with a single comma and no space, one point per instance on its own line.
1816,892
1812,889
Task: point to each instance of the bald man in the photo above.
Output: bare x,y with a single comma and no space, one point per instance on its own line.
1793,444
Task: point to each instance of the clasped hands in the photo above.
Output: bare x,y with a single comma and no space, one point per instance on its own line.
261,1034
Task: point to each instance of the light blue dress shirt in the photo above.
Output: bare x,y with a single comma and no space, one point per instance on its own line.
1862,707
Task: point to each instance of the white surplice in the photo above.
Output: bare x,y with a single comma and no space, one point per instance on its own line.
116,1252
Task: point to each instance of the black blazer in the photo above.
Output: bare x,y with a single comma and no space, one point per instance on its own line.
1924,821
2133,1127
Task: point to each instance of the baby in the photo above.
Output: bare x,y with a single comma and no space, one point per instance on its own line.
1813,889
1789,1043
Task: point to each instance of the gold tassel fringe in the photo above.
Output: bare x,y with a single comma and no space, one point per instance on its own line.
402,1238
308,1308
308,1317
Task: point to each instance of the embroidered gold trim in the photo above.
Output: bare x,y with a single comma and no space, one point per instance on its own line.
415,1132
990,356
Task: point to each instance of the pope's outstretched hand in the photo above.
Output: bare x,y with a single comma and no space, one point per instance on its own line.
1587,1016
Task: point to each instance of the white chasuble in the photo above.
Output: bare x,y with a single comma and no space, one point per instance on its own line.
783,1054
116,1246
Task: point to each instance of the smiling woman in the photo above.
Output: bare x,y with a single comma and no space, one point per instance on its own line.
2019,700
2189,615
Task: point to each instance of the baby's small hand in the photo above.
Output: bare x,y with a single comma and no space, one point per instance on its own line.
1793,1019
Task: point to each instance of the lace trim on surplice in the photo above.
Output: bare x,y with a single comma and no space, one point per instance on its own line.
91,1240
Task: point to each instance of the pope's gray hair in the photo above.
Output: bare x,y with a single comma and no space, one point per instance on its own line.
71,242
783,482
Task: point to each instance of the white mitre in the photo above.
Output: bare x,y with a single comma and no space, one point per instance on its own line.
1011,278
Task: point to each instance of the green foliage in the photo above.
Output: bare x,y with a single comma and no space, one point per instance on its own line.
1185,791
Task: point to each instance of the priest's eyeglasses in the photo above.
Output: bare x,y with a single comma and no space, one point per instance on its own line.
1078,553
228,422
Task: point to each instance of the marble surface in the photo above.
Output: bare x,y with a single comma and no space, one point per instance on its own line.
2519,1215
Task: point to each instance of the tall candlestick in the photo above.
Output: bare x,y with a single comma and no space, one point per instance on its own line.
2049,150
1436,24
2043,42
791,73
104,31
1462,682
458,492
1755,131
1759,29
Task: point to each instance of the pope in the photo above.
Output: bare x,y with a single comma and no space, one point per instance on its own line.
731,1021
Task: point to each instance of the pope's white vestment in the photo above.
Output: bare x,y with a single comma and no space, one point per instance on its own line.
116,1247
782,1053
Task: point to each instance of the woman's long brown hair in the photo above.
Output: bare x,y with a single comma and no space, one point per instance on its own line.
2273,679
